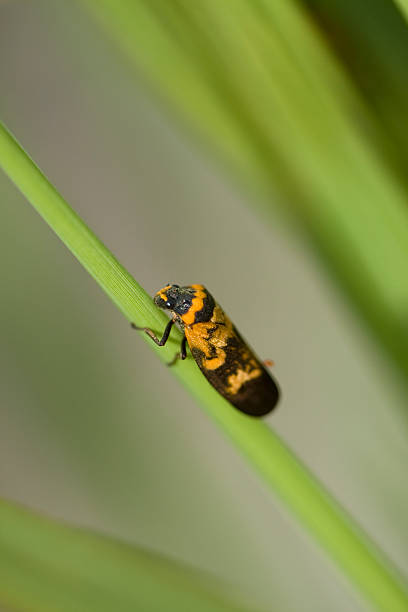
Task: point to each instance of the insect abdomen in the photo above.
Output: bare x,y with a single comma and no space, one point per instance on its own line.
232,368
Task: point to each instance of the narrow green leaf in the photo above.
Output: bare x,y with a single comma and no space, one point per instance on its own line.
282,471
47,566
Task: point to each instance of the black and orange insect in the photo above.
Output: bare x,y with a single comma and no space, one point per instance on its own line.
222,355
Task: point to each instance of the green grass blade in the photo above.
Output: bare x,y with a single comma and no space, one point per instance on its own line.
257,83
47,566
282,472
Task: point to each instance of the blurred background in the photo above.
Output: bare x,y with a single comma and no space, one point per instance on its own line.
93,429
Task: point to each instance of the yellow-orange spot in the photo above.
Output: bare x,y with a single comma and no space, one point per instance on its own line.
210,338
215,362
198,337
196,305
163,293
235,381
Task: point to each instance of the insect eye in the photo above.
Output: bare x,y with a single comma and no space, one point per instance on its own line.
168,304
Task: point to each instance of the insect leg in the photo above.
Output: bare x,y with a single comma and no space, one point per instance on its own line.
182,354
268,363
153,336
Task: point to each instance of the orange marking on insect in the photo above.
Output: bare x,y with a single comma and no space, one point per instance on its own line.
235,381
198,338
162,293
197,304
215,362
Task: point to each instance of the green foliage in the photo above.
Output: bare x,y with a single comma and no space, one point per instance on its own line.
46,566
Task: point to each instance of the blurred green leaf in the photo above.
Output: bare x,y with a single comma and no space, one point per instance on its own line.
403,5
47,566
256,82
373,49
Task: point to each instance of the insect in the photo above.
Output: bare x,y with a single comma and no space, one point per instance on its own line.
222,355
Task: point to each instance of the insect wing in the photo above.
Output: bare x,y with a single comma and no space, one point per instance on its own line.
232,369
